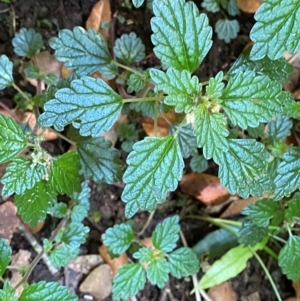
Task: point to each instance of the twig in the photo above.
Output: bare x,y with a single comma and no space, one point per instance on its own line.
147,223
11,112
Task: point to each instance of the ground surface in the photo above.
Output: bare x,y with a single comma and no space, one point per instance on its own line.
47,17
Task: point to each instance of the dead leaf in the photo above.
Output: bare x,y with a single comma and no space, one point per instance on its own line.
297,93
19,259
222,292
249,6
254,297
147,241
296,286
114,263
101,12
8,221
37,229
291,299
293,80
85,263
237,206
65,73
98,283
111,134
206,188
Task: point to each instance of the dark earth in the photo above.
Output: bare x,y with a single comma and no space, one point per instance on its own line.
48,17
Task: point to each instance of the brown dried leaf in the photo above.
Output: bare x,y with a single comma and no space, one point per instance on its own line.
114,263
249,6
8,221
85,263
237,206
206,188
296,286
101,12
222,292
111,134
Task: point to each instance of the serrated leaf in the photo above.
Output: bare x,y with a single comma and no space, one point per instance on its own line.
7,293
292,213
22,174
90,105
79,213
61,255
232,8
83,52
129,48
183,89
211,5
34,203
230,265
251,234
135,83
215,86
211,132
182,36
198,163
147,108
118,238
130,279
292,107
5,258
186,139
166,234
144,255
276,29
6,67
249,99
154,167
83,198
183,262
227,29
137,3
59,210
98,159
277,70
242,166
74,234
261,212
12,139
46,291
279,128
64,174
27,42
33,72
256,131
158,272
289,259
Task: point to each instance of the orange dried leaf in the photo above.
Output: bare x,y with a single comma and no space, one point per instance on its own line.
222,292
249,6
9,220
237,206
204,187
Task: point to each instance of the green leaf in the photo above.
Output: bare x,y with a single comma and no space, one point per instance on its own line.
147,108
230,265
288,176
59,210
79,213
227,29
211,5
98,159
242,167
182,89
182,36
186,139
279,128
118,238
158,272
292,213
46,291
5,258
215,86
74,234
137,3
166,234
64,174
34,203
136,83
63,254
82,198
292,107
83,52
129,48
22,174
275,20
6,67
154,167
277,70
183,262
288,258
12,139
261,212
256,131
251,234
211,132
33,72
126,131
232,8
89,104
27,42
145,255
130,279
7,293
198,163
249,99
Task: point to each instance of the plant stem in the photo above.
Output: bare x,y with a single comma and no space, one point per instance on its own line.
21,92
63,137
182,123
128,68
150,217
152,98
145,90
11,112
155,118
267,273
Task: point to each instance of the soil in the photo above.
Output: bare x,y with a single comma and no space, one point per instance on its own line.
48,17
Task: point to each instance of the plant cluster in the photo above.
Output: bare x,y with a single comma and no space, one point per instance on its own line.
211,115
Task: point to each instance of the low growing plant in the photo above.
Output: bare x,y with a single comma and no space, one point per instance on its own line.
211,115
